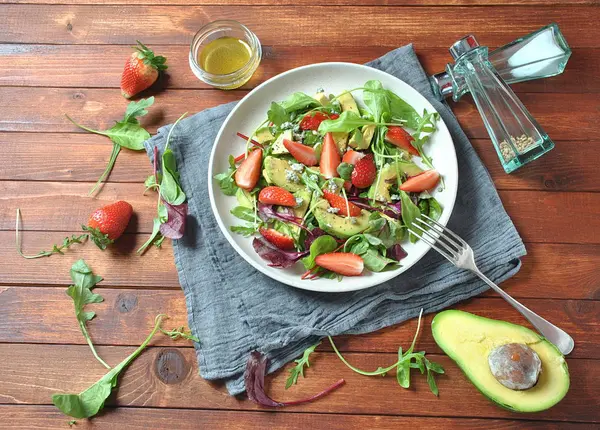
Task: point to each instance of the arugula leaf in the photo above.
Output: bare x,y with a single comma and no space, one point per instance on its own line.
410,212
81,293
299,101
401,110
299,368
277,114
406,361
345,171
127,133
87,403
321,245
244,213
372,250
376,100
243,230
346,122
153,236
310,183
375,261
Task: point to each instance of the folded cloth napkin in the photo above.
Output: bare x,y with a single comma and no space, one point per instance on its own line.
234,309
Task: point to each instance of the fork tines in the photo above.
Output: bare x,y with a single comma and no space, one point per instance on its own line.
440,238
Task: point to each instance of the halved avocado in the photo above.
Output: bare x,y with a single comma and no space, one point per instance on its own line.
339,226
469,339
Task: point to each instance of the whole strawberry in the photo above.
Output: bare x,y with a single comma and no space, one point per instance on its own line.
108,223
141,70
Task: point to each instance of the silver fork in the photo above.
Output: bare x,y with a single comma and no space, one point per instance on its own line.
459,253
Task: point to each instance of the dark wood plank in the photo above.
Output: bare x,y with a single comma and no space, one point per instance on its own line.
539,216
99,108
47,417
312,2
72,368
68,24
45,315
76,157
563,271
44,65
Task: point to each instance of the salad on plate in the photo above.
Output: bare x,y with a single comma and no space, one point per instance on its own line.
333,184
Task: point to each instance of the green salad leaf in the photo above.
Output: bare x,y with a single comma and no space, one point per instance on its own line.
299,101
81,293
298,369
372,250
321,245
277,114
346,122
127,133
410,212
376,100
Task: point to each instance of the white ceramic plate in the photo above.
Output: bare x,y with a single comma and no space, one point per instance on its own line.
334,78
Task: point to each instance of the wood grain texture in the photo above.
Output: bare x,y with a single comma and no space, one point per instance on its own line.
312,2
45,315
538,216
13,417
75,157
72,24
26,109
563,271
44,65
72,368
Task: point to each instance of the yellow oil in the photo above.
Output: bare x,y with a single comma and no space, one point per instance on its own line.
224,55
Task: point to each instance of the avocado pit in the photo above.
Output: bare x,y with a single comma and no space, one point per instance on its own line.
515,365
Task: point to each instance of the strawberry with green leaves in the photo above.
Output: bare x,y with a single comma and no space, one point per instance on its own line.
141,70
108,223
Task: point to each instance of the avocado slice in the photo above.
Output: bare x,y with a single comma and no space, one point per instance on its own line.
278,147
339,226
264,135
276,172
322,98
469,339
300,210
341,141
348,103
244,198
380,190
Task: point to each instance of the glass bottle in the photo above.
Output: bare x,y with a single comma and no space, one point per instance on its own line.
516,135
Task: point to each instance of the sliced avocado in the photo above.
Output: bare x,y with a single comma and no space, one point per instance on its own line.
276,172
469,339
264,135
339,226
348,103
368,132
322,98
341,141
300,210
380,190
278,147
356,140
244,198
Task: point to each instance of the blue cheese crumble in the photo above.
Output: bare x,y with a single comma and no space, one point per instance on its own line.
332,210
299,201
292,176
286,126
353,220
297,167
395,197
331,186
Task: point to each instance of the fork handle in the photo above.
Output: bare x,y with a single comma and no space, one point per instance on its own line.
557,336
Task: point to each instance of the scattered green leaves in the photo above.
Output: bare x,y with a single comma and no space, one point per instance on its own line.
406,361
321,245
298,369
100,239
179,333
299,101
56,249
127,133
345,171
372,250
81,293
346,122
277,114
410,212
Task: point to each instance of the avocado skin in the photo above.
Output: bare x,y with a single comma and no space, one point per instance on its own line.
550,351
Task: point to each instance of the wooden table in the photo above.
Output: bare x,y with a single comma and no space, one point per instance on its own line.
67,58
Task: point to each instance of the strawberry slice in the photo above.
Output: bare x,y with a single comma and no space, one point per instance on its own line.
364,172
248,174
314,120
399,137
344,263
338,202
276,196
351,156
278,239
423,181
330,158
302,153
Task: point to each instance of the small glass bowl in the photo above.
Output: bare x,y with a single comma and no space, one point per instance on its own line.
225,28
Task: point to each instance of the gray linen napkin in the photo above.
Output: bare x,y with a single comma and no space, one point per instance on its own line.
234,309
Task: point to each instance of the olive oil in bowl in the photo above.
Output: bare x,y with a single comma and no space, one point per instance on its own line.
225,54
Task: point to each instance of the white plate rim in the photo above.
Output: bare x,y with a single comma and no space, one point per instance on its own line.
316,285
